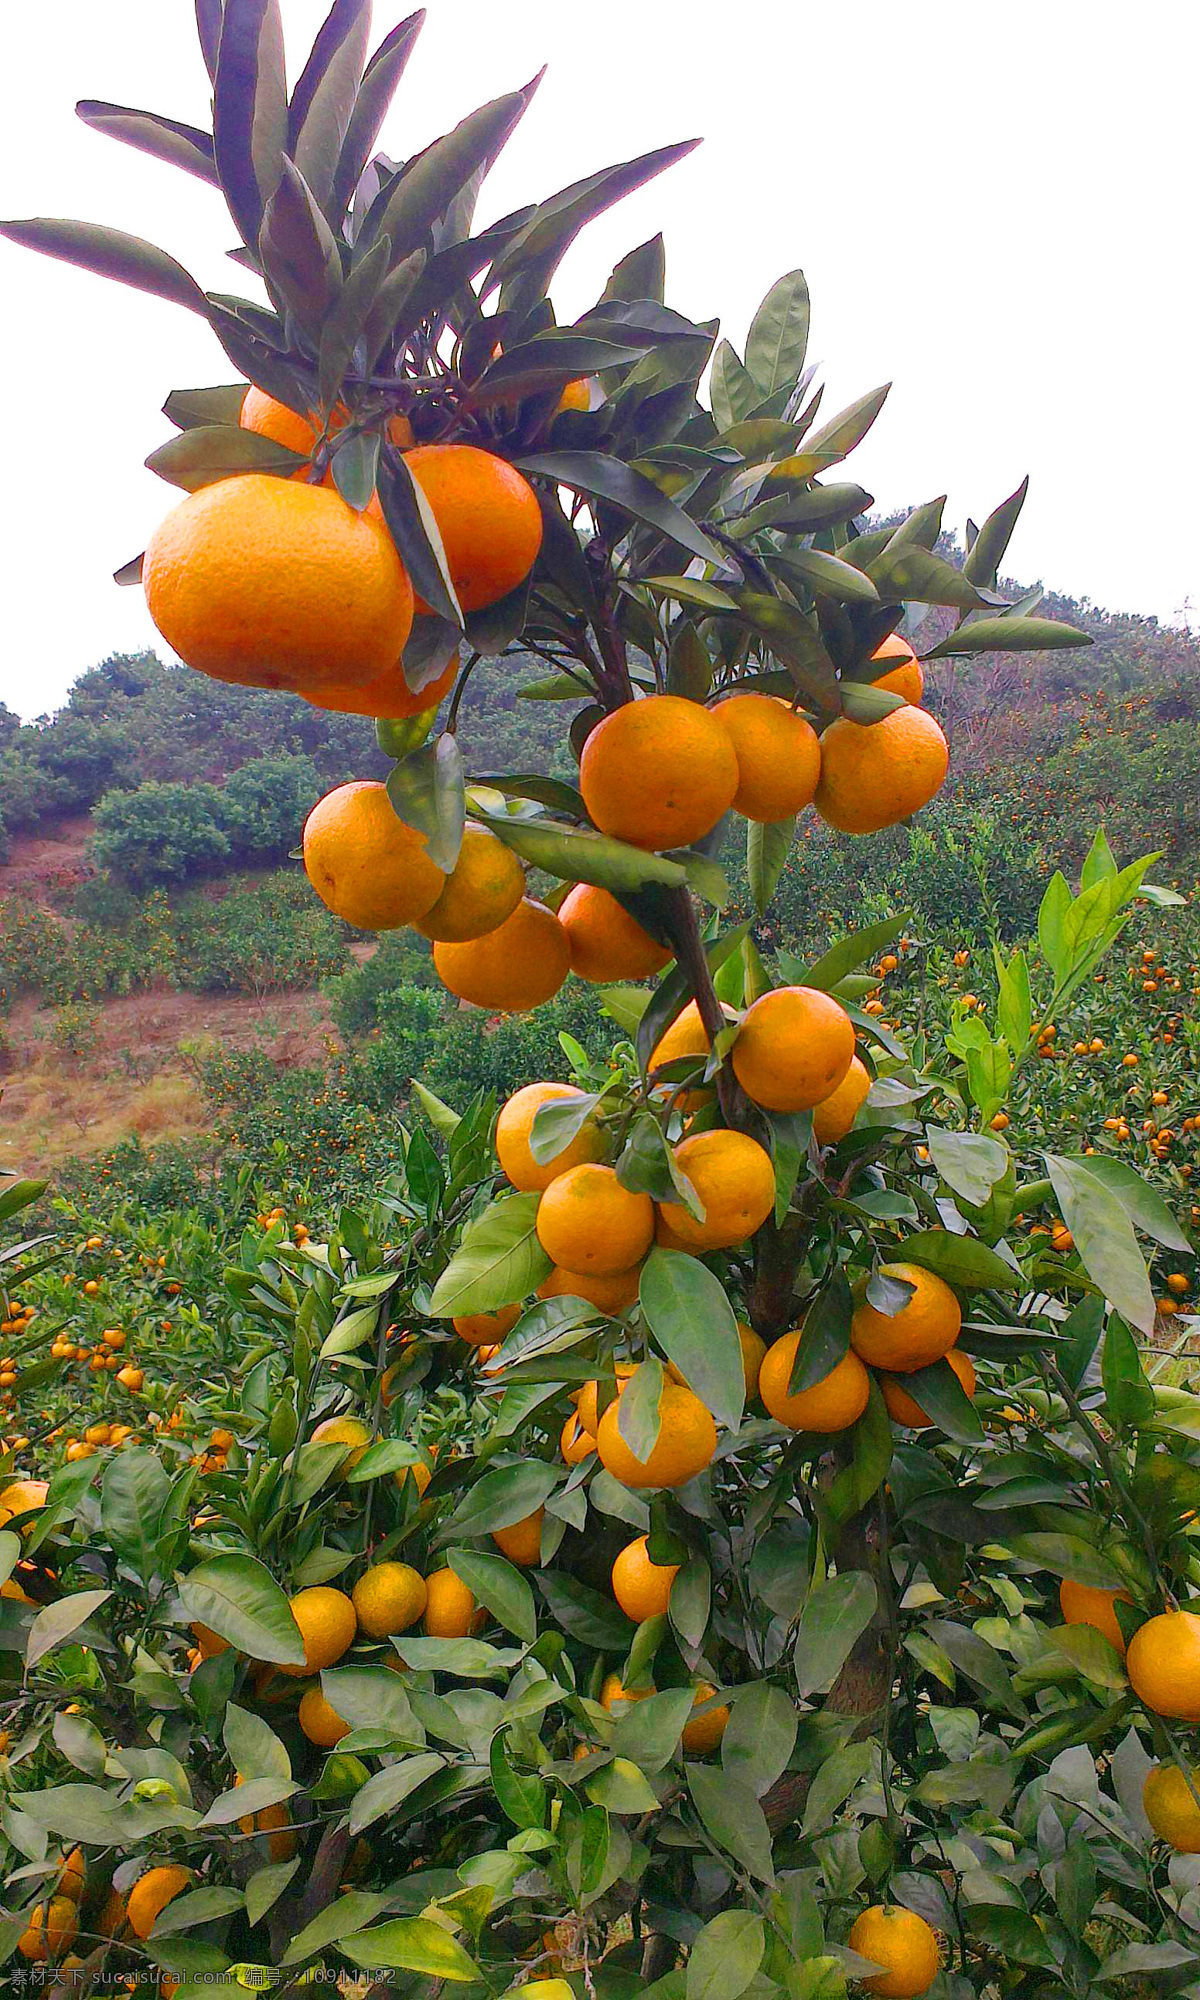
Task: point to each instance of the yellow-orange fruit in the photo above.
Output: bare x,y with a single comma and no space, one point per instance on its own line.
450,1610
778,756
388,1597
319,1720
907,677
20,1496
150,1895
1084,1604
904,1408
642,1588
686,1441
386,695
327,1626
658,772
704,1732
835,1114
606,942
832,1404
575,1443
793,1049
588,1222
901,1942
269,583
735,1183
615,1695
609,1294
513,1128
1169,1803
365,864
487,515
874,774
350,1431
922,1331
483,888
1163,1661
587,1401
522,1542
754,1353
519,965
486,1329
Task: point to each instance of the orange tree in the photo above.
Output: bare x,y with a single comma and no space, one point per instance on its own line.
672,1540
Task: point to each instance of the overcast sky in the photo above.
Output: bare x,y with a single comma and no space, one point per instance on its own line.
994,206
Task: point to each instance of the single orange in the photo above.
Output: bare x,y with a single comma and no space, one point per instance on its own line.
793,1048
735,1182
905,1409
319,1720
519,965
874,774
778,756
609,1294
922,1331
686,1441
659,772
1169,1801
642,1588
522,1542
587,1221
615,1695
907,677
513,1128
576,396
686,1037
151,1893
450,1610
704,1732
587,1400
606,942
385,695
1163,1661
483,888
754,1353
832,1404
903,1944
575,1443
834,1116
1085,1604
366,864
327,1624
487,515
486,1329
267,583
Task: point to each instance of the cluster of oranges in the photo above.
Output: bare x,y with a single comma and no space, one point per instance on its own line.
657,773
279,583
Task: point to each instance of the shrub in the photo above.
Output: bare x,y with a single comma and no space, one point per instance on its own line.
264,805
159,833
261,939
400,960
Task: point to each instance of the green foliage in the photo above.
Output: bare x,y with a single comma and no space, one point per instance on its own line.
264,804
259,939
159,833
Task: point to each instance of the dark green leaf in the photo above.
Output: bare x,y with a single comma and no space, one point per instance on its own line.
825,1334
759,1736
199,457
431,181
734,1818
501,1498
323,100
415,532
726,1956
426,791
240,1600
58,1622
500,1587
164,138
579,855
606,478
906,570
988,550
1008,635
960,1260
690,1316
842,433
111,254
778,336
834,1616
584,1614
380,79
250,110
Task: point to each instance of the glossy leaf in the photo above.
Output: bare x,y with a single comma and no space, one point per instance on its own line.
838,438
496,1584
60,1621
759,1736
415,532
778,336
577,855
850,951
609,479
380,79
825,1334
990,546
431,181
960,1260
905,569
550,361
1008,635
732,389
240,1600
208,27
199,457
323,100
734,1818
499,1260
412,1944
1104,1239
767,850
250,110
834,1616
426,791
299,254
525,268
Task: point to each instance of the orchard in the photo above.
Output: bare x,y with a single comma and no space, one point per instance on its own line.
725,1524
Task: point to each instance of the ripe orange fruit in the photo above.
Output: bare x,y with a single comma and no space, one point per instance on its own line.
513,1128
778,756
735,1182
606,942
350,1431
487,515
610,1295
576,396
20,1496
388,1597
615,1695
319,1720
686,1036
450,1610
519,965
365,864
905,1409
642,1588
483,888
873,774
327,1626
908,676
486,1329
387,694
588,1222
274,420
903,1943
704,1732
151,1893
276,1822
268,583
921,1332
72,1876
754,1352
208,1642
1170,1806
793,1049
1083,1604
574,1443
51,1929
659,772
832,1404
685,1444
835,1114
130,1377
522,1542
1163,1662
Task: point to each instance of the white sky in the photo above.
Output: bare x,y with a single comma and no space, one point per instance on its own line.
994,206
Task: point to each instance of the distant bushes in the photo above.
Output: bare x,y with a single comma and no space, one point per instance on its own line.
164,833
259,940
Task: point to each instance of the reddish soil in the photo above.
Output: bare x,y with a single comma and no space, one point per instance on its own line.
48,866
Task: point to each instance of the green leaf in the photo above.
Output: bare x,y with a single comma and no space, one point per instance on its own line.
80,1742
767,850
243,1801
110,253
200,456
835,1614
851,951
969,1162
427,792
605,478
498,1262
1008,635
323,100
163,138
133,1498
838,438
267,1884
906,570
960,1260
732,1815
990,546
375,92
1104,1239
792,635
194,409
550,360
240,1600
868,704
415,531
58,1622
412,1944
828,576
778,340
975,1658
578,856
620,1787
584,1614
434,177
343,1917
834,1782
726,1956
1145,1208
690,1316
648,1732
825,1334
1011,1933
389,1788
502,1497
300,258
500,1587
938,1391
732,389
254,1749
759,1736
197,1906
1094,1656
250,110
1014,1004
